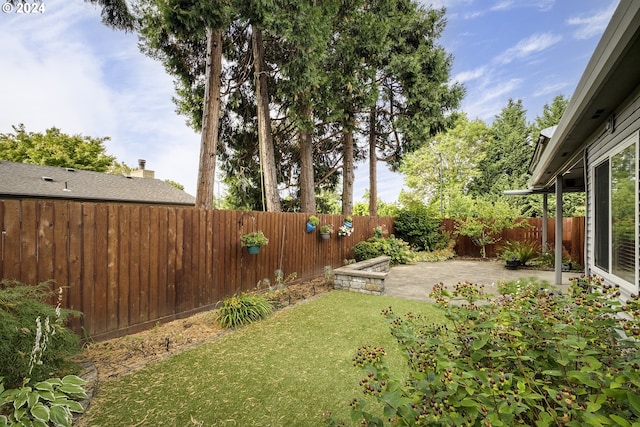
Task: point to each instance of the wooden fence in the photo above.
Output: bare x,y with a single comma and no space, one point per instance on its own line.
572,237
128,266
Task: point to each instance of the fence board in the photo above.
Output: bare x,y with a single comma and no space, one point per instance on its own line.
11,240
102,270
145,264
61,248
88,282
153,253
29,237
75,260
133,260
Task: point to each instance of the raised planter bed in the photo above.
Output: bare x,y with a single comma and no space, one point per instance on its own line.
364,276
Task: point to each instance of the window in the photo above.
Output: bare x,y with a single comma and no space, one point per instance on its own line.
601,215
615,217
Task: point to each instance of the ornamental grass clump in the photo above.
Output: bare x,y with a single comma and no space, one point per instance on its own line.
533,357
242,309
34,341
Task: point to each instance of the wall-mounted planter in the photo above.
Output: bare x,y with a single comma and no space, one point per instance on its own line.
253,250
310,227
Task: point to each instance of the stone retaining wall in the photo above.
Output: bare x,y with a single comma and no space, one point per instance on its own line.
364,276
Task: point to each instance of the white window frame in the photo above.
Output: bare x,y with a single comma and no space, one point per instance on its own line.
628,287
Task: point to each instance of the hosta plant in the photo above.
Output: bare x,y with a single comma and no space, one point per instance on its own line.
534,357
46,403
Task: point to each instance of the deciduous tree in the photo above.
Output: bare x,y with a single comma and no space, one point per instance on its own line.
54,148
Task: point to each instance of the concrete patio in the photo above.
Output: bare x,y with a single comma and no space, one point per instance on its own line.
415,281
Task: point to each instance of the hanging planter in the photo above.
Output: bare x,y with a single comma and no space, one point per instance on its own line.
312,223
347,227
348,222
325,231
253,241
253,250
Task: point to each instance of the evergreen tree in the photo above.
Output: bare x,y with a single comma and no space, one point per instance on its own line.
507,155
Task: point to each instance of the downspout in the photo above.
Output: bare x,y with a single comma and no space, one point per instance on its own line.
558,263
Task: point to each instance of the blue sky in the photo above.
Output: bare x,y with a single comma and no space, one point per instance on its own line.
64,68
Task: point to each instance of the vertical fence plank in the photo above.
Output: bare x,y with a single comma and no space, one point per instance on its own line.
133,262
29,242
89,265
113,272
75,260
180,297
103,268
61,248
146,266
172,254
124,268
154,261
11,240
207,258
45,241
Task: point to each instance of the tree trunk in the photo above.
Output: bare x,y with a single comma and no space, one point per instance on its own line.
373,166
265,139
307,185
210,121
347,173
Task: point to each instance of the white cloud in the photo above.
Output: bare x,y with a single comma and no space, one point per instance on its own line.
528,46
466,76
489,100
594,25
502,5
554,89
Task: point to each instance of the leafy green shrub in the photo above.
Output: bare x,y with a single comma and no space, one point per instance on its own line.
26,319
438,255
397,249
532,358
49,402
524,251
243,309
420,228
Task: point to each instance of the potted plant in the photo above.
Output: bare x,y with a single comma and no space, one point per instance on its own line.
312,223
511,259
348,221
253,241
325,231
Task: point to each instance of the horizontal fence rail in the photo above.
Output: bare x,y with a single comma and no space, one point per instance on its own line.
127,266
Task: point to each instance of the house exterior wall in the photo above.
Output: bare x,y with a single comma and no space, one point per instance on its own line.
600,147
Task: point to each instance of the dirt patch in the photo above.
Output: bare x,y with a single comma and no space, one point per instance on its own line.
120,356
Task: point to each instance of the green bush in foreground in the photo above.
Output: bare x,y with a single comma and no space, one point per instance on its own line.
531,358
242,309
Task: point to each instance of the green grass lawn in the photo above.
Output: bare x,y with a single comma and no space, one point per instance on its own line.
286,370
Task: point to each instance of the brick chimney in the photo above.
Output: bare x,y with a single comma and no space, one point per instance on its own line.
141,172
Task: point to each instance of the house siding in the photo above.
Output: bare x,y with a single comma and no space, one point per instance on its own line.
600,145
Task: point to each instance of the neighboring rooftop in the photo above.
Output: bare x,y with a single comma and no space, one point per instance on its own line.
19,180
